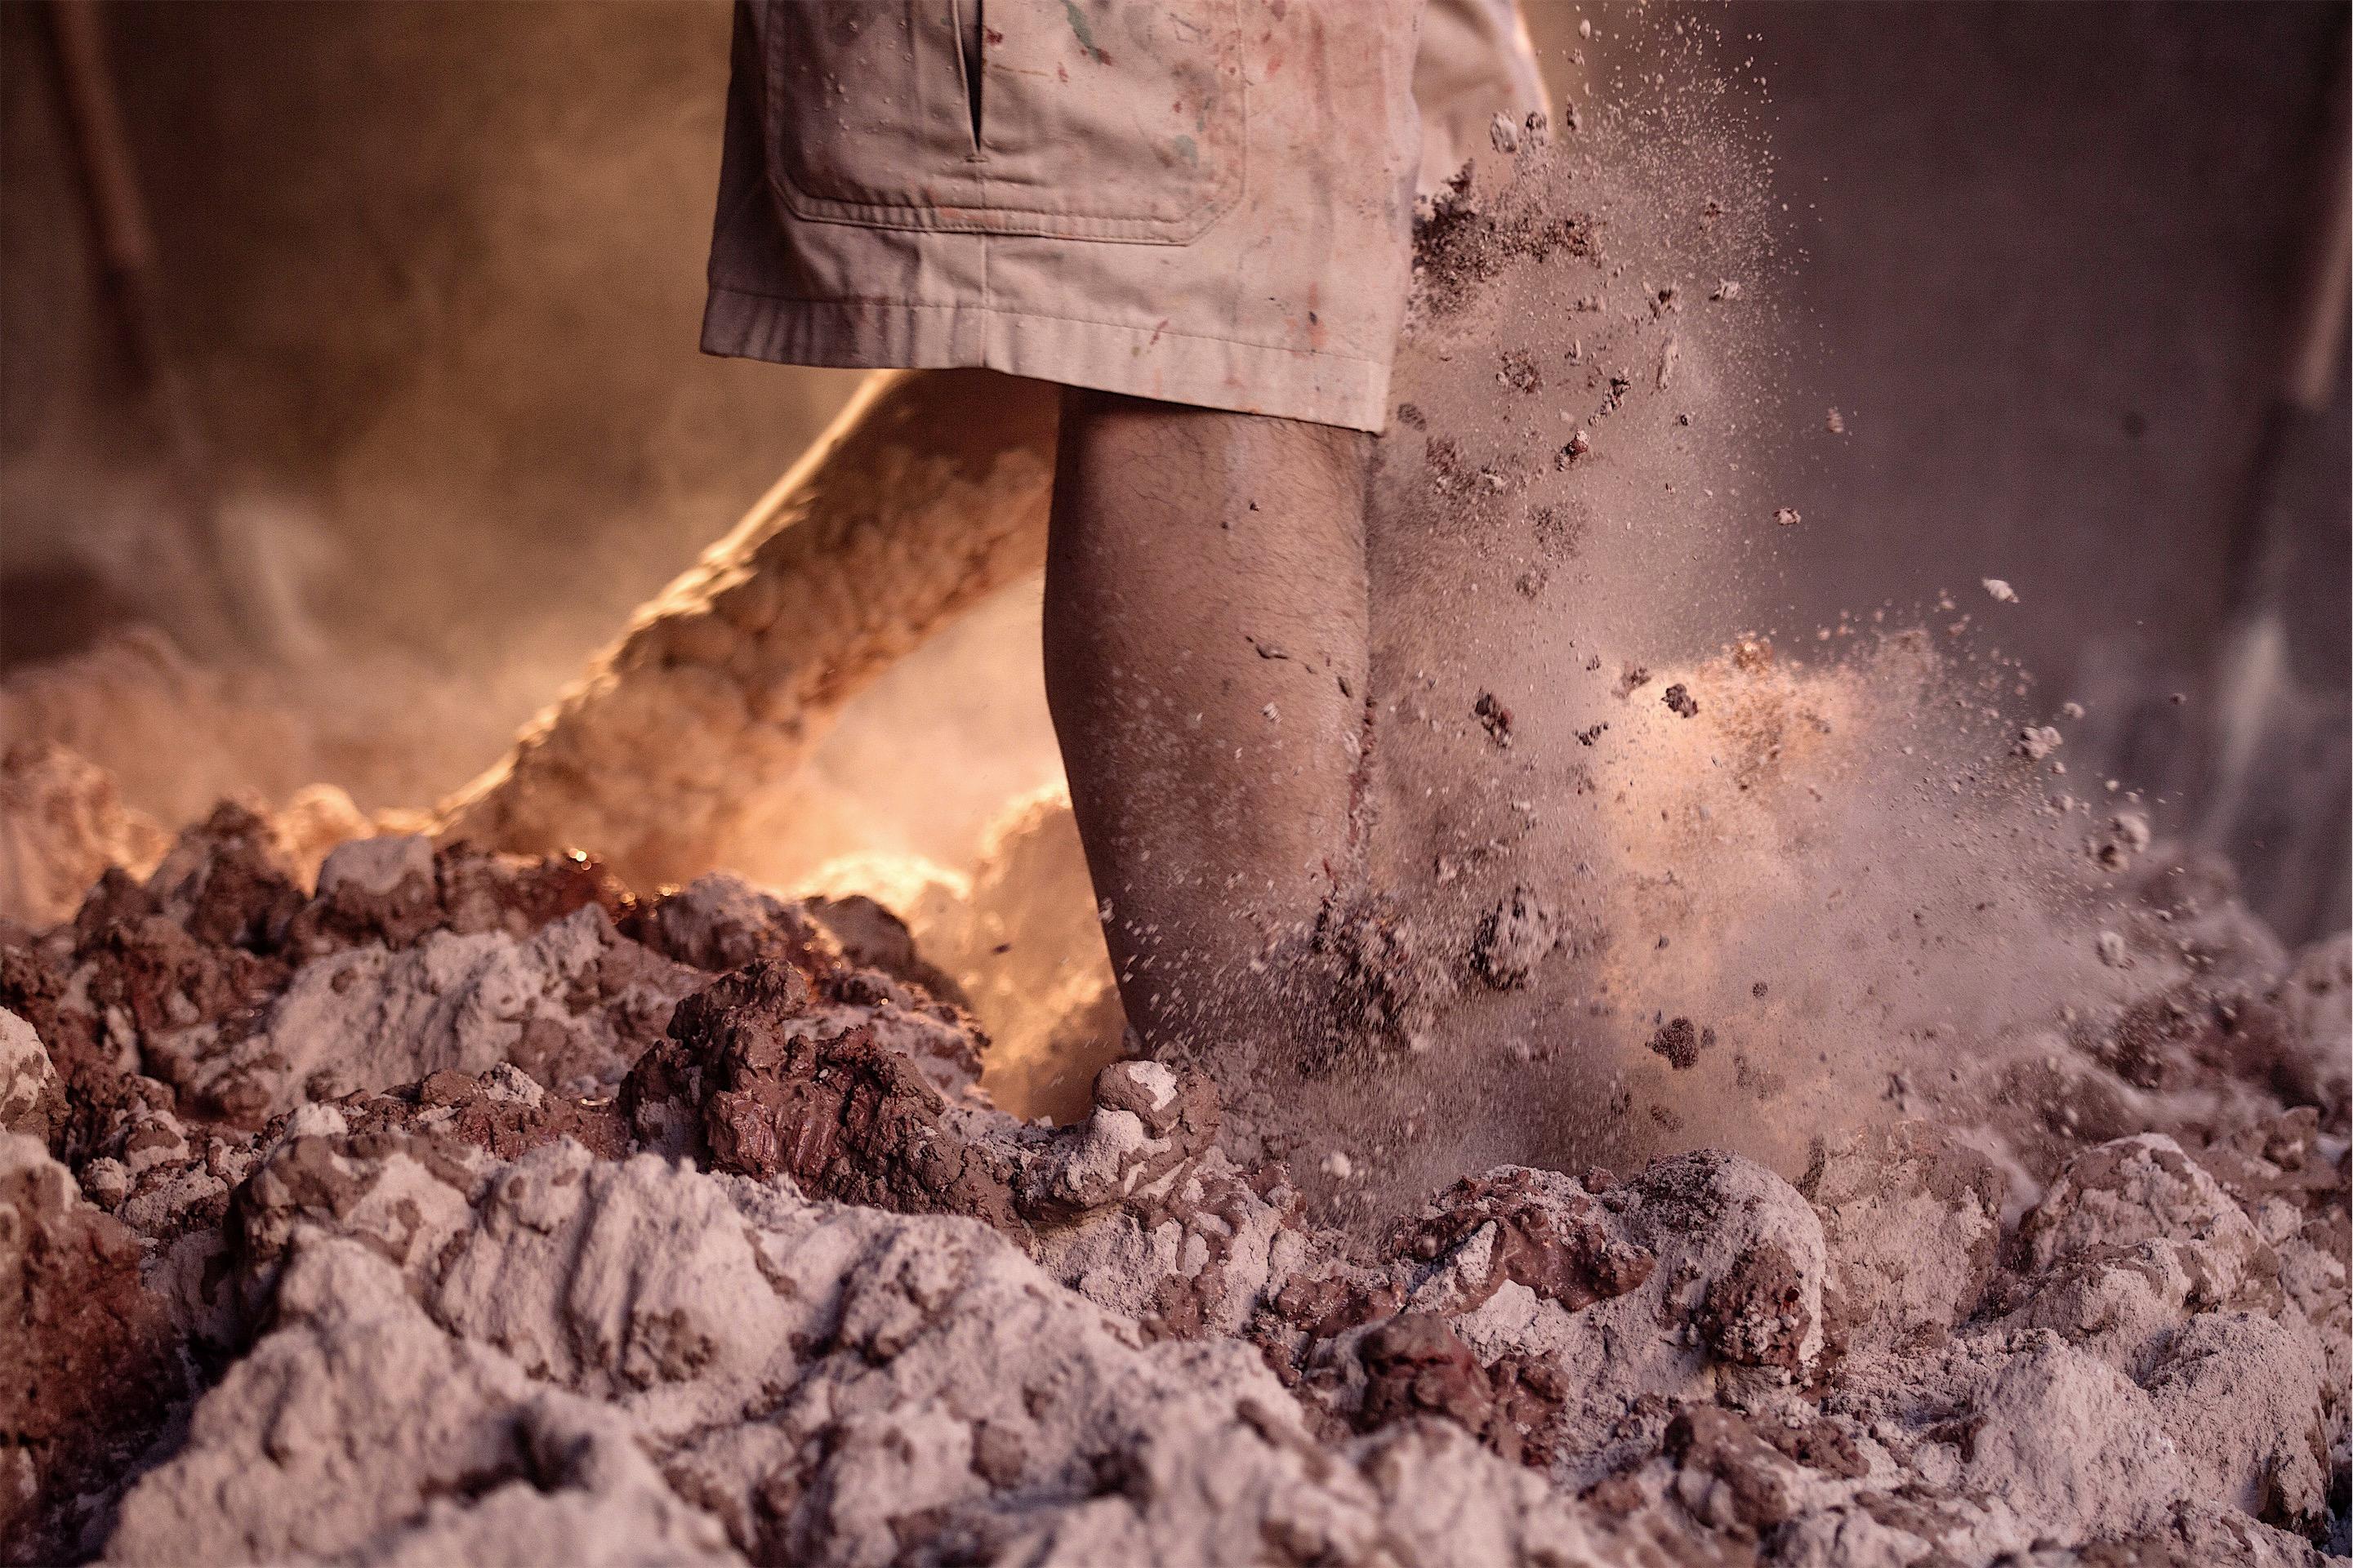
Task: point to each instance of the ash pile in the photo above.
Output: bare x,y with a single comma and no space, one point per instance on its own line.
467,1208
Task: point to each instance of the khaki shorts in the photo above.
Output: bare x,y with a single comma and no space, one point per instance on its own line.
1207,202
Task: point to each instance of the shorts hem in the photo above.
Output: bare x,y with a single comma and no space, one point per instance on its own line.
1314,385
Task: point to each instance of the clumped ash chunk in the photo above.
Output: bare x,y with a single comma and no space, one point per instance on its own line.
465,1208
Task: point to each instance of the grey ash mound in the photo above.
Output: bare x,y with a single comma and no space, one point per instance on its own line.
467,1209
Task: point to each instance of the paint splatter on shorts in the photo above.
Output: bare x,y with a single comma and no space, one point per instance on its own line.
1207,202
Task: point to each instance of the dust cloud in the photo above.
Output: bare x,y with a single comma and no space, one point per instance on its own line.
1678,874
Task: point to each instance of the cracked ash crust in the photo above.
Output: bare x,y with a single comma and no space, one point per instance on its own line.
467,1210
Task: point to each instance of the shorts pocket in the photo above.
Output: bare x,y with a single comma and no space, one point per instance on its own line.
1111,120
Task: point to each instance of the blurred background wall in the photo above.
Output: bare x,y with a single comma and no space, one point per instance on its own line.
434,272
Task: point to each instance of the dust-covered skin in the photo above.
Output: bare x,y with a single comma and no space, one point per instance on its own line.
802,1294
1205,627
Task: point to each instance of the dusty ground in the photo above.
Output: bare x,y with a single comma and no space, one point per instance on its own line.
470,1208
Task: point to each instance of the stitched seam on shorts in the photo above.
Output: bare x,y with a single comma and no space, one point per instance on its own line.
1042,214
987,303
1045,316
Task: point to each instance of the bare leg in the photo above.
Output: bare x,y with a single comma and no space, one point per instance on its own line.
1205,640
